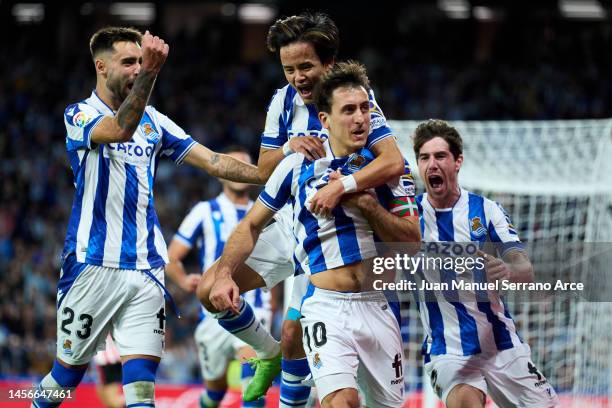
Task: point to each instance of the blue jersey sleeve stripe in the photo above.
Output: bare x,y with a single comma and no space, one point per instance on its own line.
184,240
268,201
377,135
191,143
273,142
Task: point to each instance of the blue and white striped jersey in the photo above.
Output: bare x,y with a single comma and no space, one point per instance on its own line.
467,328
344,238
288,116
113,221
207,227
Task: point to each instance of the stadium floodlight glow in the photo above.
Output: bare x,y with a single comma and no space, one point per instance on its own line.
458,9
585,9
26,13
484,13
256,13
143,13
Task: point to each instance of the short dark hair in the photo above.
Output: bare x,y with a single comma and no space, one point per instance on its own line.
317,29
104,39
349,73
437,128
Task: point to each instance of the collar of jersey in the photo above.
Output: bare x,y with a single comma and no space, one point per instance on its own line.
462,196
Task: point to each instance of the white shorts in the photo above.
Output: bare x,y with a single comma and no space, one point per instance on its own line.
300,286
353,339
509,377
94,301
217,347
272,257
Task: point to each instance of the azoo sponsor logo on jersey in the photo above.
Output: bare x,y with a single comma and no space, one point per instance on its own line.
132,149
318,133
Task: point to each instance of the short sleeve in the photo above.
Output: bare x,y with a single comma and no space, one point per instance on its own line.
80,120
379,129
176,143
275,130
500,228
191,228
277,190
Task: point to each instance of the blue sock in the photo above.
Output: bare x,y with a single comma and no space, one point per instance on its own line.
245,378
62,379
247,328
292,392
211,399
139,382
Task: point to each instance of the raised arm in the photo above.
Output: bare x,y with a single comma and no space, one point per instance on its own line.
389,163
121,127
223,166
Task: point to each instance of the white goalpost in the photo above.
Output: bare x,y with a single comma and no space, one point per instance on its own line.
554,178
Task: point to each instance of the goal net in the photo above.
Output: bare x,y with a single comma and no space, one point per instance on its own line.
554,178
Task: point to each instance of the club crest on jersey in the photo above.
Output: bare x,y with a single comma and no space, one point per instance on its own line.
67,346
81,119
150,132
478,230
316,361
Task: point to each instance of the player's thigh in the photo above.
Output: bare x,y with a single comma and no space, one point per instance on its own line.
88,298
465,396
519,383
380,348
445,372
331,354
273,253
139,326
215,349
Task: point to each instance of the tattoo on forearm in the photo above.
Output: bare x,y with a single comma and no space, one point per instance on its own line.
236,170
214,159
131,110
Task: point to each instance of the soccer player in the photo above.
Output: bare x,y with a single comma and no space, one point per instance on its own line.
114,254
473,347
207,227
307,45
345,326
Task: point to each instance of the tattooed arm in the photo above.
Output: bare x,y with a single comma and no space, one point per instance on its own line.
122,126
223,166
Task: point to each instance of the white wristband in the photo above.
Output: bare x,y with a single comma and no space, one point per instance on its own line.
287,149
349,183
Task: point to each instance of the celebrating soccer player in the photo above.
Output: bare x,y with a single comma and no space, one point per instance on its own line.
472,348
345,327
114,255
307,45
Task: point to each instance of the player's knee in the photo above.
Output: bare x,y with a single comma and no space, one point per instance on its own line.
203,291
343,398
291,340
465,396
139,380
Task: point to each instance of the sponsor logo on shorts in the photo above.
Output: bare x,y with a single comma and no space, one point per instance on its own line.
399,370
434,383
67,346
541,379
316,361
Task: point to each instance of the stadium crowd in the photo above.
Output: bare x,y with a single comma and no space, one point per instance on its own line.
542,71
